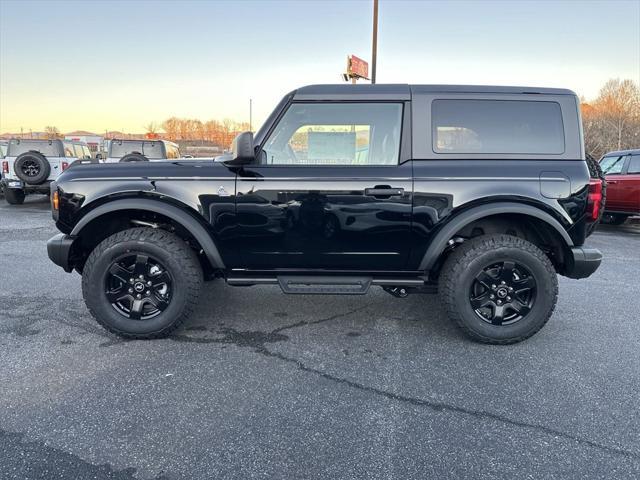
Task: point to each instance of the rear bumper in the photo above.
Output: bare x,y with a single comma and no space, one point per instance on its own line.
25,187
584,262
59,250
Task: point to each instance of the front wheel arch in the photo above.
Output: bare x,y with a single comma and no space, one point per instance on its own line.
91,230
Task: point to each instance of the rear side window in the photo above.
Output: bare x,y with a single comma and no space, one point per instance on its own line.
68,150
634,164
497,127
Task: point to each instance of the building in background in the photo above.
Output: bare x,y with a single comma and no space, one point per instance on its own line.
94,141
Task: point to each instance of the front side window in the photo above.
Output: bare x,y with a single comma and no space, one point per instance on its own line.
497,127
336,134
612,165
634,164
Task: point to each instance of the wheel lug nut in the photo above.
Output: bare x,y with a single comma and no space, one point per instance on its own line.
142,276
502,282
493,286
508,299
131,280
131,290
492,296
499,302
138,296
511,289
148,292
149,283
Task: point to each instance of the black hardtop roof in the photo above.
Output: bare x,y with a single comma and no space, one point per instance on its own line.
633,151
403,91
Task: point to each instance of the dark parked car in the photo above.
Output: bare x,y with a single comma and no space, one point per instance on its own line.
480,193
622,171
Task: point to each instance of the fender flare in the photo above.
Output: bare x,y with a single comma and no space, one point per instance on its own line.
459,221
188,221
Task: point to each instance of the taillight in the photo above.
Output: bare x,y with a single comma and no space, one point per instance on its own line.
65,165
595,197
55,200
5,167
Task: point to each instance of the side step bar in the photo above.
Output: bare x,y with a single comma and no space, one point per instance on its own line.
333,285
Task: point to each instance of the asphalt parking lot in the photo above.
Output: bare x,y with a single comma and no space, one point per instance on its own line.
263,385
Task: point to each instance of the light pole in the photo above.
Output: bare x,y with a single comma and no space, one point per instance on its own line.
374,43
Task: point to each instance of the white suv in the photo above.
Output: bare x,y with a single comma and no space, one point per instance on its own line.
141,151
31,165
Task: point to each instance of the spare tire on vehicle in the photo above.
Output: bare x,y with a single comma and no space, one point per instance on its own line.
595,171
32,168
133,157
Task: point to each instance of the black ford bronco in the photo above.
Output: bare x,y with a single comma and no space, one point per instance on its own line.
480,193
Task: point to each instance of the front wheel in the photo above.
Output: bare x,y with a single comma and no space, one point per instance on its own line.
499,289
142,283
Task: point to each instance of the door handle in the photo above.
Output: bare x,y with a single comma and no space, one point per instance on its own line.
384,192
611,182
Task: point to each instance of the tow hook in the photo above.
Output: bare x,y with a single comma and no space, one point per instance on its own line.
400,292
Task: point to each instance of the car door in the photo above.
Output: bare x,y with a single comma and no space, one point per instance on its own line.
612,167
628,185
329,190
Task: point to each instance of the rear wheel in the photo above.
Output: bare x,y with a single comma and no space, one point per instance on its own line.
500,289
14,196
142,283
614,218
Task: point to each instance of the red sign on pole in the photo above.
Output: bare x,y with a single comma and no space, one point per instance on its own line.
358,68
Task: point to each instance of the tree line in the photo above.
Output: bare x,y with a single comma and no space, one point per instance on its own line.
217,132
612,120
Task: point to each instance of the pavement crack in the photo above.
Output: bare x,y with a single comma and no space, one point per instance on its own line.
444,407
302,323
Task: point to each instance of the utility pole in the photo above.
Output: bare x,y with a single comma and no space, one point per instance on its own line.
250,114
374,43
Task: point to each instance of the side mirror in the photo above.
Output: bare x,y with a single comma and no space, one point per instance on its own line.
241,150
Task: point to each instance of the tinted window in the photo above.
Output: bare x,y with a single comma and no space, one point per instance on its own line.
336,134
612,165
634,164
119,149
48,149
153,150
86,151
497,127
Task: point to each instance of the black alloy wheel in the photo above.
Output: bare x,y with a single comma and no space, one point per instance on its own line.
30,168
138,286
503,293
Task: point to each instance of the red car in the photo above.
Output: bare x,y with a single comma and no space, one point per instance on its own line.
622,170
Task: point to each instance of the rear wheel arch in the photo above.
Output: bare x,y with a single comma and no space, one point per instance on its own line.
111,217
519,220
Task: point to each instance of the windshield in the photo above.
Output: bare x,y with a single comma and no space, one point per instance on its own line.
47,148
3,150
120,148
612,165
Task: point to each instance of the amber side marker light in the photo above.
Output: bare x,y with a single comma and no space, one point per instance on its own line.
55,200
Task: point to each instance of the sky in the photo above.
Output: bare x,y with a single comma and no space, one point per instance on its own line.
118,65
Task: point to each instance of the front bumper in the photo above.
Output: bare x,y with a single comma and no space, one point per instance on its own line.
59,250
584,262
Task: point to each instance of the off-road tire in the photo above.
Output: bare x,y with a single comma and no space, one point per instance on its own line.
596,172
36,159
179,259
465,262
14,196
133,157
